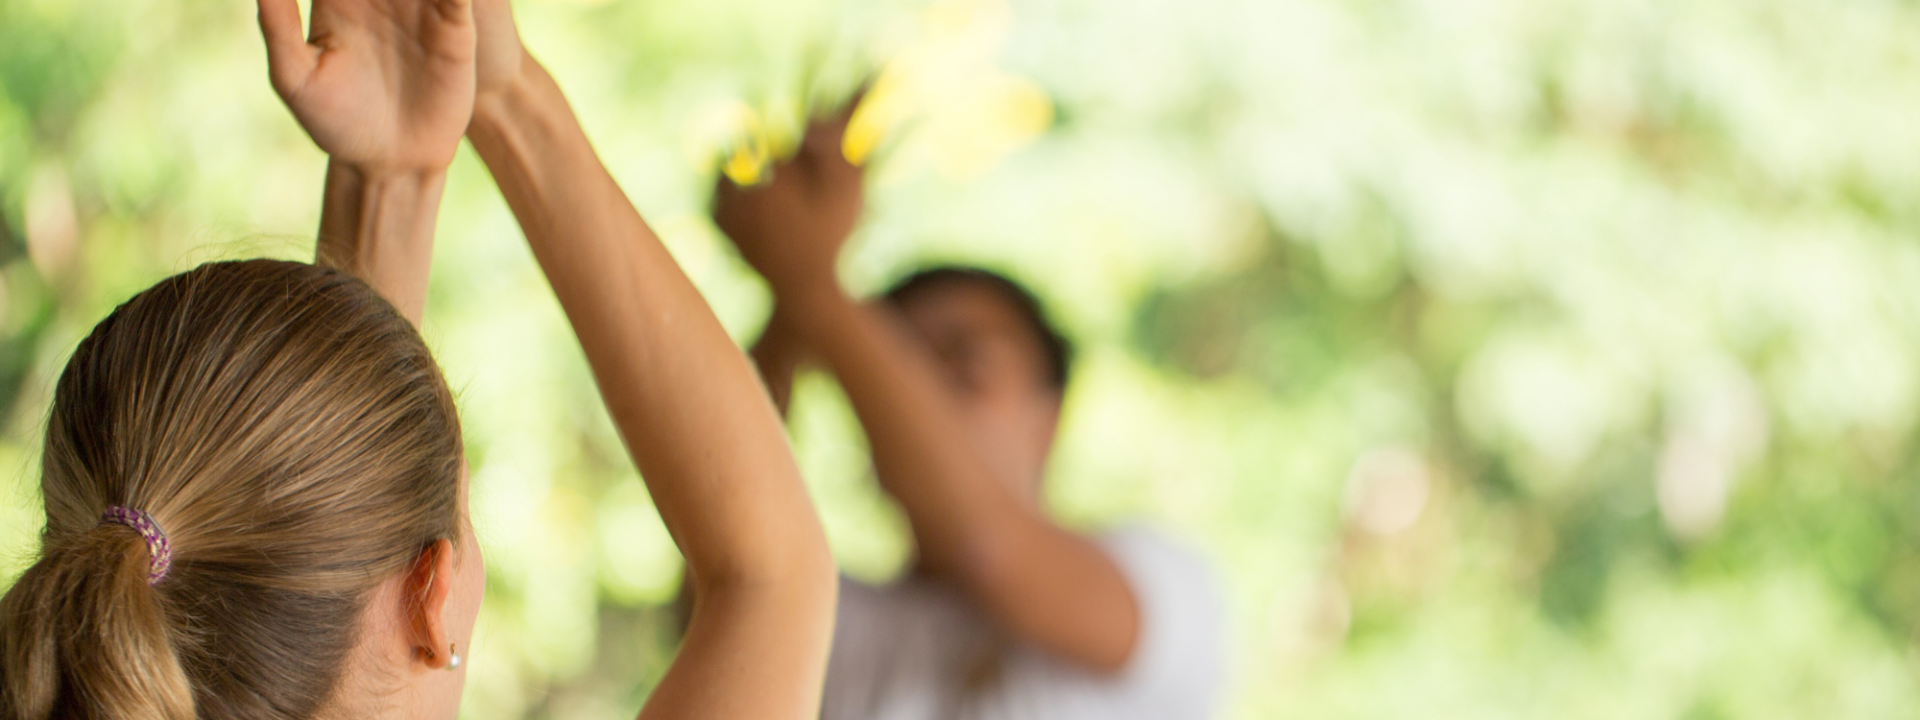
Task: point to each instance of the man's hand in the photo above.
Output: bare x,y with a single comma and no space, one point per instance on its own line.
379,84
791,228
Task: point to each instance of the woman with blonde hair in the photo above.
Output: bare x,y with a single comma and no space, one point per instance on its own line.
253,471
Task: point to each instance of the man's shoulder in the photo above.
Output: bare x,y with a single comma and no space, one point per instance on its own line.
1140,549
1177,662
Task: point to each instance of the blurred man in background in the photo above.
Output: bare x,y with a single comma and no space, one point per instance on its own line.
957,378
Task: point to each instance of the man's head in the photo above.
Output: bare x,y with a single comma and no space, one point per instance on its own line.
1003,361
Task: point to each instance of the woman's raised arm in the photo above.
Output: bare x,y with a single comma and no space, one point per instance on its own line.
386,88
687,402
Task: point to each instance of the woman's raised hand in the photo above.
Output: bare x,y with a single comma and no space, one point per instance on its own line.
378,84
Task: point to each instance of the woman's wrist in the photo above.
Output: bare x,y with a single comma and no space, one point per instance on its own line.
498,104
377,223
383,176
385,179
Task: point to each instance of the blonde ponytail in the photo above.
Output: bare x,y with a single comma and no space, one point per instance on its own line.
84,635
294,438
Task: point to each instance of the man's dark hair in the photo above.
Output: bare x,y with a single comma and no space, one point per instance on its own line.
1054,347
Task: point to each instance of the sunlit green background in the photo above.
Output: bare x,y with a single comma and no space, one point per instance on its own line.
1508,358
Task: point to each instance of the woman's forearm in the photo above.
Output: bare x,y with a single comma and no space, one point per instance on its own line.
378,225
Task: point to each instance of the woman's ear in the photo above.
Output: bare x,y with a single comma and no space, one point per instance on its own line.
429,584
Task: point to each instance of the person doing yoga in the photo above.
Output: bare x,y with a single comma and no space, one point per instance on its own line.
957,378
253,472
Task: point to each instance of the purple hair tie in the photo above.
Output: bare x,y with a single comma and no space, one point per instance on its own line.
157,545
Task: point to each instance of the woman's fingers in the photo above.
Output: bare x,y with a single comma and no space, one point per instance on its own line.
290,60
448,33
451,34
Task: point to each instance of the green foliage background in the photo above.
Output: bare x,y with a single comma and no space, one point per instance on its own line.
1509,358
